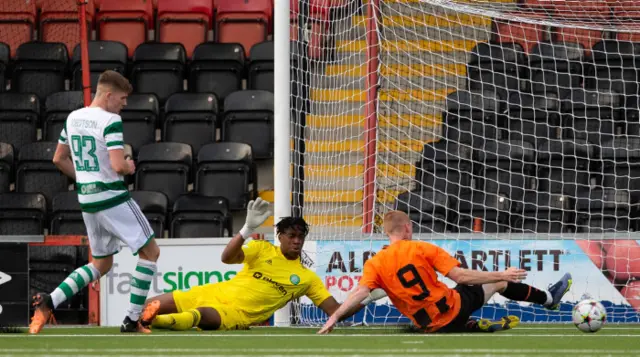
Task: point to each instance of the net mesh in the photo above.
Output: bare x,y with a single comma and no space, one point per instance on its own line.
508,131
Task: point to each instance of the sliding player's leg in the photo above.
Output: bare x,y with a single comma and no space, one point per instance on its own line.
103,246
523,292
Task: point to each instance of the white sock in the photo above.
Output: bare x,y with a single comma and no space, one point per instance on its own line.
549,298
140,285
77,280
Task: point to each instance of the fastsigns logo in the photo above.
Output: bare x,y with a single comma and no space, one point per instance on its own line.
4,278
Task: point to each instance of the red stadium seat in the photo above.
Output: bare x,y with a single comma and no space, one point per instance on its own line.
246,22
625,9
59,22
127,21
582,9
632,34
586,37
526,35
319,15
184,21
17,23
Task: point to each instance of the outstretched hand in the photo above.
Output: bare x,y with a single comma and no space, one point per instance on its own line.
514,275
257,213
328,326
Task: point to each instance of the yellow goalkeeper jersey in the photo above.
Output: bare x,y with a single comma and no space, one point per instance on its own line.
268,281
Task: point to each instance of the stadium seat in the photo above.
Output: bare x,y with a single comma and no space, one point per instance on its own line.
498,67
127,21
5,58
591,10
248,118
227,170
620,168
36,172
154,206
482,212
184,21
542,212
191,118
591,115
19,117
246,22
532,117
614,68
603,210
103,55
40,69
22,213
525,34
197,216
318,25
59,22
575,32
66,215
6,167
625,9
17,23
58,106
563,166
164,167
471,117
445,167
427,210
217,68
159,68
556,68
139,120
260,71
506,167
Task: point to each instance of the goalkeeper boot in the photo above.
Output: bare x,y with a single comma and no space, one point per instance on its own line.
505,323
129,325
43,312
149,313
558,290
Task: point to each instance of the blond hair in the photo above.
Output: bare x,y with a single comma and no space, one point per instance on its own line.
114,81
394,221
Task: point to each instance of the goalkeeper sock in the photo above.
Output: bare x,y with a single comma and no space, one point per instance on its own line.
180,321
140,284
77,280
524,292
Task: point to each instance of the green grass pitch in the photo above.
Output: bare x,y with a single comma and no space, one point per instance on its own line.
525,340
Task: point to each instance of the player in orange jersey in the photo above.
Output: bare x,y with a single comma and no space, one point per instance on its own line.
406,271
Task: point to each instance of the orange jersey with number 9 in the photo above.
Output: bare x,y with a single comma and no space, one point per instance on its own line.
406,271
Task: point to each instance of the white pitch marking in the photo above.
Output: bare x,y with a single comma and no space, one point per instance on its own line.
248,335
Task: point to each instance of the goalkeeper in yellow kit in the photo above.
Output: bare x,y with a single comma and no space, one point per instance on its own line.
271,277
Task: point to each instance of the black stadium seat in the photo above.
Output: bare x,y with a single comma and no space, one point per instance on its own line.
248,118
620,160
19,118
154,206
542,213
191,118
445,167
563,166
217,68
139,120
506,167
260,71
164,167
556,68
66,216
5,55
533,117
103,55
485,212
427,210
58,106
22,213
37,173
614,67
591,115
40,68
227,170
471,117
6,167
196,216
603,210
497,67
159,68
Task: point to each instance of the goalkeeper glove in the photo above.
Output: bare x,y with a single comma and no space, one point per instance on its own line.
257,214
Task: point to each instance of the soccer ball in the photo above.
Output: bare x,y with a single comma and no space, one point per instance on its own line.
589,315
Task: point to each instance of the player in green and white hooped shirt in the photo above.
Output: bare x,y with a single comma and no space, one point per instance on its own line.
91,151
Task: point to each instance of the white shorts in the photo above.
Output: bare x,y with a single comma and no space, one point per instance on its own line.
124,222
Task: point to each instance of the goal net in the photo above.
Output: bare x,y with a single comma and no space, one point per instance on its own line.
508,131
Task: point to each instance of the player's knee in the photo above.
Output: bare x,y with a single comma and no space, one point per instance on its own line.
150,252
103,264
209,319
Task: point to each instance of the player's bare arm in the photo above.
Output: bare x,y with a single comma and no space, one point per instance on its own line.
474,277
119,164
353,302
62,160
257,213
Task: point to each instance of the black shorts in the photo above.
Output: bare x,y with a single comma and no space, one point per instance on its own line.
471,299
